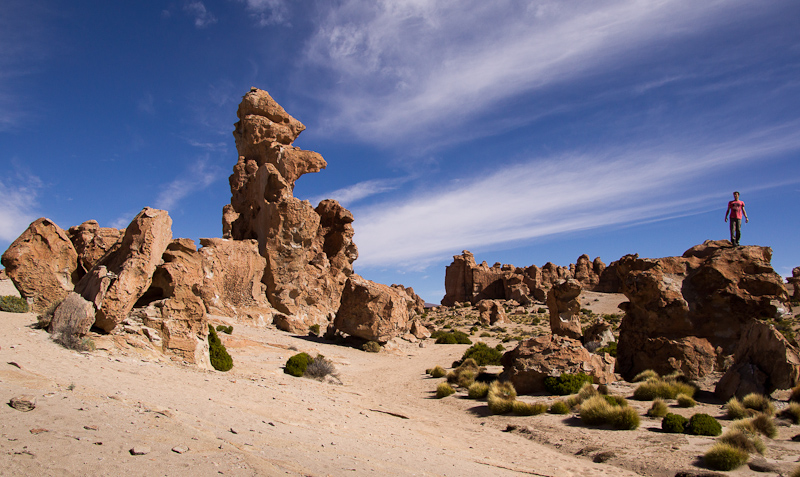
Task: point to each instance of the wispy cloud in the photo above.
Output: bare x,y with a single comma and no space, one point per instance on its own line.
547,196
421,67
146,104
199,175
18,200
269,12
350,195
202,17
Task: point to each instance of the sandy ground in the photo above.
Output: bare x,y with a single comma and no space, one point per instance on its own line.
93,408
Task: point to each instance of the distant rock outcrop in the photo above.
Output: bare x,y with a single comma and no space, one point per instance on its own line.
491,312
565,309
466,281
681,309
794,280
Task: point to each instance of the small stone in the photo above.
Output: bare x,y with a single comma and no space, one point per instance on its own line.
91,428
760,464
234,431
601,457
180,449
23,403
140,450
39,430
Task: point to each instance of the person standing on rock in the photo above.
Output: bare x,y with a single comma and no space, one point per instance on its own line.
736,210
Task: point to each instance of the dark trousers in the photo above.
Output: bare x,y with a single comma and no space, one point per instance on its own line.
736,231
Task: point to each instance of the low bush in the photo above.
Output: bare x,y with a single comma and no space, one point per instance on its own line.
573,400
478,390
734,409
602,389
559,407
220,359
658,388
748,441
74,342
444,390
566,383
13,304
521,408
297,364
795,394
225,329
595,411
658,409
792,412
466,378
437,372
674,423
610,348
703,425
759,403
314,329
371,347
722,456
586,391
483,354
685,401
645,375
764,424
615,400
320,367
625,418
501,397
455,337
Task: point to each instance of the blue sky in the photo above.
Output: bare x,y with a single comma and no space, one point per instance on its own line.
526,132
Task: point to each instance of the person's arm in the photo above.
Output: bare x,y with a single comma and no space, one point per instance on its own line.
746,220
726,211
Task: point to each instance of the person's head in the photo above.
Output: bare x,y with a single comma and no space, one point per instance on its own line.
736,195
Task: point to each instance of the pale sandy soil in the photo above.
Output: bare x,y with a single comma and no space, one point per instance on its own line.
93,408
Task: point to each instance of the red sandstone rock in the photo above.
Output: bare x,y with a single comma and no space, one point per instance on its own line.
42,263
92,242
533,360
372,311
565,308
491,312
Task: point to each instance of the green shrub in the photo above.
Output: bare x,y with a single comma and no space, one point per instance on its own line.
685,401
455,337
521,408
541,309
625,418
658,409
746,440
792,412
674,423
314,329
437,372
615,400
371,347
566,383
703,425
468,368
444,390
297,364
658,388
478,390
734,409
725,457
559,407
225,329
610,348
759,403
483,355
220,359
645,375
485,334
13,304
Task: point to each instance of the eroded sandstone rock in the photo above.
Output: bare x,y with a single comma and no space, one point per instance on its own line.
565,308
43,264
92,242
491,312
74,317
372,311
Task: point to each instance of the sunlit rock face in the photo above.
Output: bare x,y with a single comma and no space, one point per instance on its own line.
309,251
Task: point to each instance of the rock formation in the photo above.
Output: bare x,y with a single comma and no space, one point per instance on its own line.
372,311
466,281
565,309
43,264
681,309
92,242
598,335
309,252
491,312
794,280
533,360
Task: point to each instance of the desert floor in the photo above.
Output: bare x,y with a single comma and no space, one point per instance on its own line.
94,408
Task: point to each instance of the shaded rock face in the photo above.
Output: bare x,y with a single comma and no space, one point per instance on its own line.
565,308
713,292
231,281
491,312
795,281
43,264
533,360
598,335
466,281
764,361
309,252
117,282
373,312
92,242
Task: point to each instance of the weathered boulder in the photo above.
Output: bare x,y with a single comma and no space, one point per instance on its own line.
43,264
598,335
565,308
794,280
419,331
491,312
74,317
533,360
92,242
713,292
416,305
763,362
177,311
372,311
231,282
122,277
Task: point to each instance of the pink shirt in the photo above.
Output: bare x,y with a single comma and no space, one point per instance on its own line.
736,207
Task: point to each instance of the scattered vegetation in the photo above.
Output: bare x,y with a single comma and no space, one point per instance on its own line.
566,383
759,403
746,440
703,425
437,372
792,412
661,388
220,359
483,354
674,423
297,364
610,348
795,395
760,423
596,410
320,367
559,407
685,401
314,329
464,374
478,390
452,337
521,408
645,375
371,347
225,329
722,456
734,409
13,304
443,390
501,397
658,409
